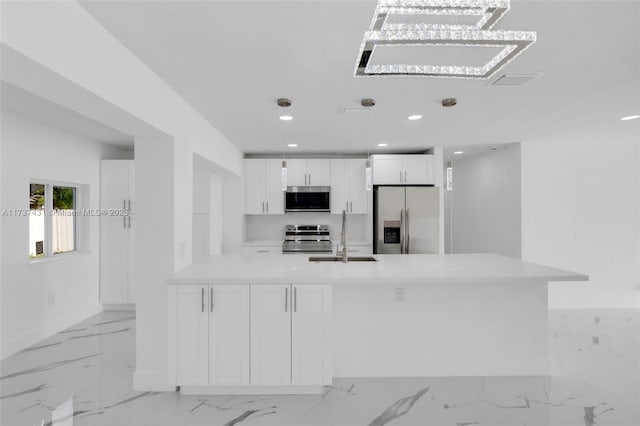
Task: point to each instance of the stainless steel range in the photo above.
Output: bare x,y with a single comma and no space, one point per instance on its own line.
307,239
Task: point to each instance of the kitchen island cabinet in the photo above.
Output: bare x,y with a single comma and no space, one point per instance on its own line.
400,316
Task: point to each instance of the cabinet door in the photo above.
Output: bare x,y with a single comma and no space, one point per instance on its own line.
114,233
262,250
417,169
297,172
114,260
319,172
274,196
307,335
387,170
358,195
339,186
254,185
191,335
228,334
270,334
131,293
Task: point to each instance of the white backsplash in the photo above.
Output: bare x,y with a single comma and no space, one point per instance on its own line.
271,227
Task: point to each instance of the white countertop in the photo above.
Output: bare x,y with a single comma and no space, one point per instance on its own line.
389,269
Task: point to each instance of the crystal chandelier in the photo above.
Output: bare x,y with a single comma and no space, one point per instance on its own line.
478,34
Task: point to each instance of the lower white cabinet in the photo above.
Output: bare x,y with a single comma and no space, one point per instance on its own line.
270,335
290,342
208,335
262,249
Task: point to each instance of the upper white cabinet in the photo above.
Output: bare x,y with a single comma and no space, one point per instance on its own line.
263,190
348,191
416,169
116,232
290,334
308,172
209,335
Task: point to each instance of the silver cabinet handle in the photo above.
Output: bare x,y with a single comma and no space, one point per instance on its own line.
129,204
305,178
402,231
286,299
267,207
309,178
347,206
124,222
124,204
295,299
129,221
211,298
263,207
408,232
400,176
351,206
262,251
202,298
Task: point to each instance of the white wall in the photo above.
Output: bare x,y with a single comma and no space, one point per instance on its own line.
484,207
580,196
58,51
31,150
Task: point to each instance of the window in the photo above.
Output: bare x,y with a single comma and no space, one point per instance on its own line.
52,219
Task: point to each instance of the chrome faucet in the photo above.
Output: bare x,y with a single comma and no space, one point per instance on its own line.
343,238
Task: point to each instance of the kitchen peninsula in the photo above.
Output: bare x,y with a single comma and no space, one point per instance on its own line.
283,324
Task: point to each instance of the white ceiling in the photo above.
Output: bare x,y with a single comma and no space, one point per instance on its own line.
232,59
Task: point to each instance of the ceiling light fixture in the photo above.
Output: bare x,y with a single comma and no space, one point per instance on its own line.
286,118
283,175
630,117
292,145
458,152
414,117
368,176
479,34
382,145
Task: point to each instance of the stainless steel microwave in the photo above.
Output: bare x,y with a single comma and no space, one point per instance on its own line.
307,199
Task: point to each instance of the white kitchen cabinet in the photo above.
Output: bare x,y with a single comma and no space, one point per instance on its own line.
262,249
348,191
290,342
263,190
208,335
116,232
308,172
414,169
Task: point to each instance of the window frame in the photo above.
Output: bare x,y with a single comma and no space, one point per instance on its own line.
48,221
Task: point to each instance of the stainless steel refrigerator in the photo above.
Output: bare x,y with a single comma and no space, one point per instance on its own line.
406,219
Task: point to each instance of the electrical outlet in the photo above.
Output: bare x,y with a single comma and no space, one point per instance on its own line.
51,298
399,294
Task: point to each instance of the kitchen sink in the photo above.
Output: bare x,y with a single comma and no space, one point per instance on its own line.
339,259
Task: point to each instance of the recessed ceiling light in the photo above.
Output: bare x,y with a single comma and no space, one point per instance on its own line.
458,152
382,145
414,117
630,117
286,118
293,145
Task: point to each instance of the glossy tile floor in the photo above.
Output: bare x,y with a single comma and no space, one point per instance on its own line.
83,376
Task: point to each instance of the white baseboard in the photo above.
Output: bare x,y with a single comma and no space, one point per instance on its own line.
151,381
119,307
251,390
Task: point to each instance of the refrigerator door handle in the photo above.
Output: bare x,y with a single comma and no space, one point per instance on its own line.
402,231
408,233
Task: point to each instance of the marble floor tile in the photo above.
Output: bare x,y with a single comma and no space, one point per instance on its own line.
84,376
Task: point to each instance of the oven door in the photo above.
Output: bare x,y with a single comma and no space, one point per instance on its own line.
307,199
